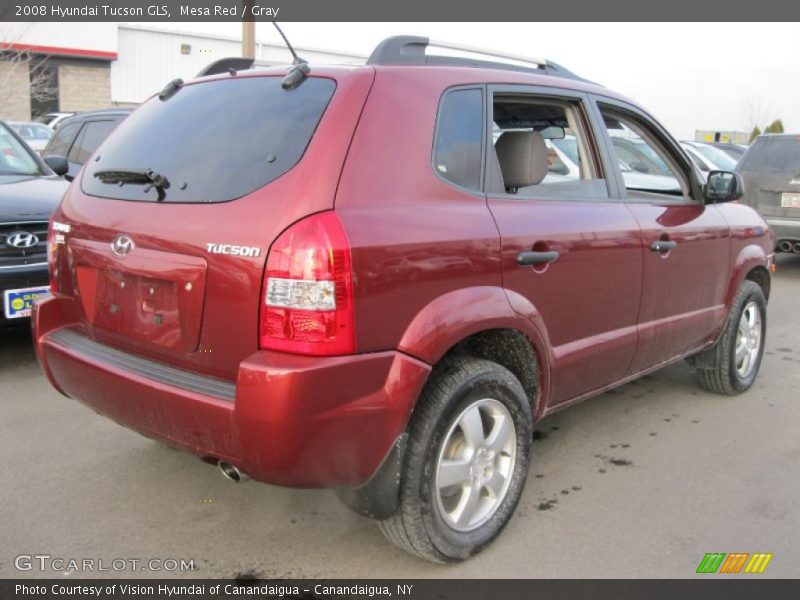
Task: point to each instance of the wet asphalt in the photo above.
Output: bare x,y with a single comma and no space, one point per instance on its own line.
639,482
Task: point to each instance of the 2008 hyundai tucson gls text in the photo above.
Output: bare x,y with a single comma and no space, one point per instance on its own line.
378,278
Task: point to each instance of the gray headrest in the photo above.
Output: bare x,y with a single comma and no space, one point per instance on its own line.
523,158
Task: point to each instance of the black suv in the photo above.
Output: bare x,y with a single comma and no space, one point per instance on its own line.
78,137
29,192
771,172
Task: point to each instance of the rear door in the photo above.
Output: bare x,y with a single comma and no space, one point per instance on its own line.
685,251
569,245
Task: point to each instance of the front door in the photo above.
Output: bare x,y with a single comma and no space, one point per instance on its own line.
685,252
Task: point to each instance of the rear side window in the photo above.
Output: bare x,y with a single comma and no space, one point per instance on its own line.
459,138
773,154
62,139
213,141
89,139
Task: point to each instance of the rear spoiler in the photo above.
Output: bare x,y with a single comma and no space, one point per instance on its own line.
224,65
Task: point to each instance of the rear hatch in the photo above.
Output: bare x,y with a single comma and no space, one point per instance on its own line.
170,223
771,173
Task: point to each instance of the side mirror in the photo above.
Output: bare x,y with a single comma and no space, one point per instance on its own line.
58,164
723,186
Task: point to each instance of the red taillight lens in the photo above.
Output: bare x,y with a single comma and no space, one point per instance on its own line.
307,306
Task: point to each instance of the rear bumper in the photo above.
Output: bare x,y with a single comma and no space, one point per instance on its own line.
784,228
288,420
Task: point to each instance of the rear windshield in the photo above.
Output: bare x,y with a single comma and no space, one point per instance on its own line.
213,141
775,154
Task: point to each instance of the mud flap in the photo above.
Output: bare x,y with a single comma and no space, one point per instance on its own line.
378,497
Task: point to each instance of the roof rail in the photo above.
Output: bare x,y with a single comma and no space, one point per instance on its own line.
411,51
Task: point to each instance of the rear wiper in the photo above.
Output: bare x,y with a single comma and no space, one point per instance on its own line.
146,177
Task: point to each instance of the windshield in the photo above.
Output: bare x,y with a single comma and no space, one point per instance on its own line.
14,157
720,159
209,142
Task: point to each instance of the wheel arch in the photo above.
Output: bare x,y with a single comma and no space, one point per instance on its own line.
481,322
750,264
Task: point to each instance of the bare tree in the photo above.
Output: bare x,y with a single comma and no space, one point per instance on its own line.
756,114
16,59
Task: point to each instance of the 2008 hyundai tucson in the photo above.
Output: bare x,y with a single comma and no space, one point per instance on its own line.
378,278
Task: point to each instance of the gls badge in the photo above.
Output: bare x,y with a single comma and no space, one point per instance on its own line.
233,250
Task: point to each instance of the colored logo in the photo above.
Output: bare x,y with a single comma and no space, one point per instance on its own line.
736,562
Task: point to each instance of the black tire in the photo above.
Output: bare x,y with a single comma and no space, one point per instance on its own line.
717,367
455,385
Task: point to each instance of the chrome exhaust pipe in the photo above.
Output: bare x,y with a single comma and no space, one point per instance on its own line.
232,473
785,246
796,248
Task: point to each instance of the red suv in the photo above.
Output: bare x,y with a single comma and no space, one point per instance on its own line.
378,278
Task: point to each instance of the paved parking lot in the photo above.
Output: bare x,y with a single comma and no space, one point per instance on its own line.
640,482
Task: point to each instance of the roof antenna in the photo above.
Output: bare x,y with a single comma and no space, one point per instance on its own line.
300,67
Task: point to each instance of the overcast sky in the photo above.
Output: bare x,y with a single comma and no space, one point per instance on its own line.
690,76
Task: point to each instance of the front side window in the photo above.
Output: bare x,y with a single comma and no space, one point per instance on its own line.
646,166
459,138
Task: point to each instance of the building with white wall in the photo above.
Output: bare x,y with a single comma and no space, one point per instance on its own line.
73,67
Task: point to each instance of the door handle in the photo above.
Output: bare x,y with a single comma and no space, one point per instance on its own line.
529,258
663,245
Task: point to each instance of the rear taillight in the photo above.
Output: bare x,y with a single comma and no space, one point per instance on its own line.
307,307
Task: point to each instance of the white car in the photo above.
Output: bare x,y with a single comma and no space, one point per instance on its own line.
566,167
708,158
54,119
35,135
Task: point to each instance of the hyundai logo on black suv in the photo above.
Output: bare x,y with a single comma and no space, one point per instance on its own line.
122,245
22,239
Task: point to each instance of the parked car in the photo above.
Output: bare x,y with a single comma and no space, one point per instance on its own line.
771,171
54,119
78,137
735,151
709,158
232,278
29,192
653,177
35,135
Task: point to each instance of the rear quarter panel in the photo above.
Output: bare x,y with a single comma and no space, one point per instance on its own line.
414,238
